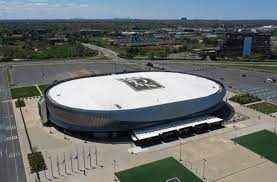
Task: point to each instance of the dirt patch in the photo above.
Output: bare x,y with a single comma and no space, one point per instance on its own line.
81,72
77,73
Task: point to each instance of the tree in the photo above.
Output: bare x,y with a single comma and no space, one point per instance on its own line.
151,56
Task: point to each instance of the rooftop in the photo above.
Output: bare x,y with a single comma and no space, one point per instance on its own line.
131,90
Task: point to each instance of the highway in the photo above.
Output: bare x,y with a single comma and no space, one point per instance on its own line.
11,163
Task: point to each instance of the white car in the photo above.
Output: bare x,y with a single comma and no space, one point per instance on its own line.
270,80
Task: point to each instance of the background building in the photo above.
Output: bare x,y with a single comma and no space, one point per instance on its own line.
247,44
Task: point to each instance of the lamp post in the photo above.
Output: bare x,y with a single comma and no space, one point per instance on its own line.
78,163
236,129
64,163
71,162
90,162
51,166
84,159
96,157
180,152
204,167
58,165
114,162
275,124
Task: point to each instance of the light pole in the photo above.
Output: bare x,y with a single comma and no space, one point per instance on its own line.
51,166
96,158
204,167
71,162
84,159
64,163
180,152
236,129
58,165
90,157
78,160
275,127
114,162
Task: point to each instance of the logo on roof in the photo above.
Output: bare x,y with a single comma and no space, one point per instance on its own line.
141,84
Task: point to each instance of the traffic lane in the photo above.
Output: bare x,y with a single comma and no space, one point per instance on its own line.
2,78
12,167
14,146
8,166
12,160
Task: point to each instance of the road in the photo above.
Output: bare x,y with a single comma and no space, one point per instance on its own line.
11,162
106,52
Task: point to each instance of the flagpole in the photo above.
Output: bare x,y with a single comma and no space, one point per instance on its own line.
51,166
58,164
71,162
96,159
78,160
84,161
90,157
64,163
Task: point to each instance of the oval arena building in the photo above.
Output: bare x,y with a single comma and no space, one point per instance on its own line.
127,101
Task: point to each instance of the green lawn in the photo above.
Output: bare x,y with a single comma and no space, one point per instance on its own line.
158,171
43,87
263,143
264,107
23,92
245,99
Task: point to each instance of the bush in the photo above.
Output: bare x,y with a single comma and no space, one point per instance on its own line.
36,162
19,103
245,99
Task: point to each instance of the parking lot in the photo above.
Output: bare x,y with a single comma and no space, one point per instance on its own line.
25,75
244,81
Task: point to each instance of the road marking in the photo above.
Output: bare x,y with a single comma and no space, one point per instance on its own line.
15,160
6,101
13,155
11,138
259,91
12,127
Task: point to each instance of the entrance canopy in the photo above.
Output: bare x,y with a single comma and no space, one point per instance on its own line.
154,131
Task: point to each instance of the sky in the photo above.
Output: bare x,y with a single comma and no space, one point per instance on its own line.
140,9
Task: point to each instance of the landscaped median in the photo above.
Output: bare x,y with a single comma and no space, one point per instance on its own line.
245,99
167,169
36,162
263,143
264,107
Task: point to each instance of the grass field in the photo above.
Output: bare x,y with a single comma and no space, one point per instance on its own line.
43,87
158,171
264,107
263,143
245,99
23,92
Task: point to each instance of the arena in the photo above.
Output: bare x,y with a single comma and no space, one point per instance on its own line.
129,101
